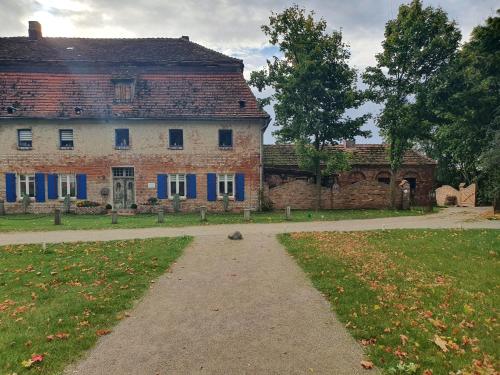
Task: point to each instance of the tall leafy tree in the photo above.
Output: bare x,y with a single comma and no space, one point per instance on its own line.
418,44
314,87
463,104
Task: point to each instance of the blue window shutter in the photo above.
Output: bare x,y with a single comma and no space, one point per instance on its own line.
162,186
39,187
240,187
211,187
191,186
52,186
81,186
10,187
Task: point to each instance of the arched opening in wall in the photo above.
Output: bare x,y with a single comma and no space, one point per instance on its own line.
356,176
384,177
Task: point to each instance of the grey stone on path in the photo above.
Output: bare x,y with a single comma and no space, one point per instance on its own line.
228,308
235,236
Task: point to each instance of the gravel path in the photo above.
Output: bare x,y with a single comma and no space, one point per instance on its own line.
448,218
228,307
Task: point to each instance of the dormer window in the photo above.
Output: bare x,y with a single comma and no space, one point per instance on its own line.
124,90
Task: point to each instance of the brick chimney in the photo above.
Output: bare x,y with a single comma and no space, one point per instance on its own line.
34,30
349,143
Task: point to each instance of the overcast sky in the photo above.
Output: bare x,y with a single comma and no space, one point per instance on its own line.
229,26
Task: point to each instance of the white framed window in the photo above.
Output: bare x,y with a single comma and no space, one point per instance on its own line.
24,138
177,185
67,185
26,185
225,184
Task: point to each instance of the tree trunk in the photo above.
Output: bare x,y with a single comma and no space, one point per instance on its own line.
393,188
318,188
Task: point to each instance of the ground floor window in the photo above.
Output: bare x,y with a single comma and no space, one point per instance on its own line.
225,184
177,185
67,185
27,185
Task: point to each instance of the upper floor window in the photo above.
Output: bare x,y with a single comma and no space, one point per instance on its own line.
177,185
24,138
225,185
124,90
175,138
225,138
122,139
26,185
67,185
66,138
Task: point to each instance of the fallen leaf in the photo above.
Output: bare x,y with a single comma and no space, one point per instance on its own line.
103,332
404,339
37,358
367,365
441,343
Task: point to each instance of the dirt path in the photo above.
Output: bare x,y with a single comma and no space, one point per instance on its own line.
448,218
229,307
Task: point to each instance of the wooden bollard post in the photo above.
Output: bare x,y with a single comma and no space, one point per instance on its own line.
161,215
203,213
2,207
246,214
288,213
114,217
57,217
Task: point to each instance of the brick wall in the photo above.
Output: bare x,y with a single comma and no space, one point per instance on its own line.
94,155
301,194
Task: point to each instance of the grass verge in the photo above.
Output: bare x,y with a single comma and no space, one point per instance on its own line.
31,222
56,302
419,301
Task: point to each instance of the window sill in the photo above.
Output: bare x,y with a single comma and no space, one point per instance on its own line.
176,148
66,148
62,199
122,147
21,148
220,198
32,199
225,147
181,198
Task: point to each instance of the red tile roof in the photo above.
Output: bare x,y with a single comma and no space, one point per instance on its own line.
174,79
284,156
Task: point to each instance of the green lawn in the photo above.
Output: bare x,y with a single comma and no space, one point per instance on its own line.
420,301
30,222
57,301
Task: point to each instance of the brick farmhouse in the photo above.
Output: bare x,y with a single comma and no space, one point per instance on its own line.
123,121
120,121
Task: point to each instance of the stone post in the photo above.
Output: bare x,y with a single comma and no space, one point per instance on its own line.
203,213
288,213
161,215
246,214
57,216
114,217
2,207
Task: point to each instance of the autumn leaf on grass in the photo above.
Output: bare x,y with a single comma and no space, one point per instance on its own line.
102,332
404,339
438,324
441,343
58,335
35,358
367,365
